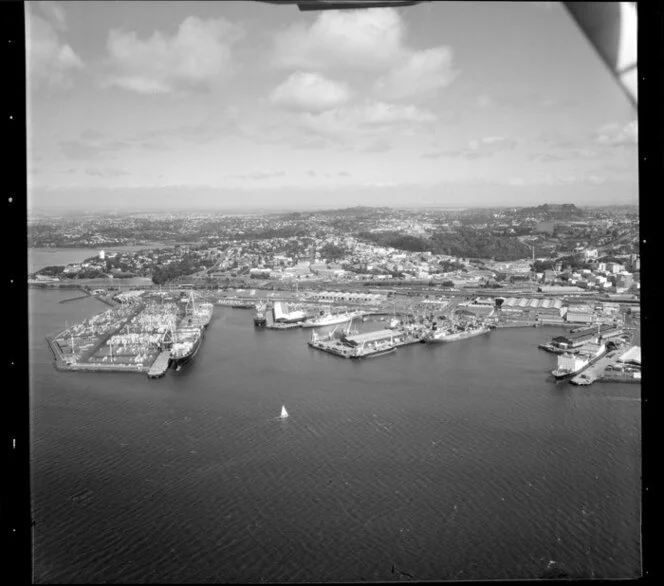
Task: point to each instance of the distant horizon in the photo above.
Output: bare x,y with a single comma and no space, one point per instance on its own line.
242,210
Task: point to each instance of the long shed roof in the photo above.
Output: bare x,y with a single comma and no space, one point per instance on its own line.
632,355
371,336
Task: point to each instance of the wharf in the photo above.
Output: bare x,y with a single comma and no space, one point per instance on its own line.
97,367
62,365
160,365
103,339
408,342
57,353
597,371
338,348
620,377
333,347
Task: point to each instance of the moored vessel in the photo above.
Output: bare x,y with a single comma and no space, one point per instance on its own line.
571,364
329,319
187,338
455,332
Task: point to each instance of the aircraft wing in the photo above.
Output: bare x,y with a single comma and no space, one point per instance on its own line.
343,4
611,27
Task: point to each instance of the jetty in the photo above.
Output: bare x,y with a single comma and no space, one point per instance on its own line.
160,365
76,298
364,345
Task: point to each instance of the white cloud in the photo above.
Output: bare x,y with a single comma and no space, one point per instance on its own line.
370,40
257,175
48,59
106,172
419,74
310,91
617,135
477,149
361,39
517,181
383,113
342,124
379,146
197,56
484,101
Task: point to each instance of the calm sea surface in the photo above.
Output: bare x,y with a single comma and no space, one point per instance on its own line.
458,461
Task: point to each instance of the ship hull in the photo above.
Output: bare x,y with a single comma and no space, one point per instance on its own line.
567,375
340,320
182,360
456,337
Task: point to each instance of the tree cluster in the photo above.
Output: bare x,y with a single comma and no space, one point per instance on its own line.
463,243
188,265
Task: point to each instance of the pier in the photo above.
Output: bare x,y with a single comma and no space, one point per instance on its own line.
365,345
160,365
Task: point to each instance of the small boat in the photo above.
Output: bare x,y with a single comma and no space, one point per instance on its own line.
284,413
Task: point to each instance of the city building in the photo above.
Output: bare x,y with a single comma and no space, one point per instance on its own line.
579,314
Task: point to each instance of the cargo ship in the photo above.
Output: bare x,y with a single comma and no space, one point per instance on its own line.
186,347
454,333
571,364
188,336
328,319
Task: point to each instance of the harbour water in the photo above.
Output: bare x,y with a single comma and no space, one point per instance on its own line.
453,461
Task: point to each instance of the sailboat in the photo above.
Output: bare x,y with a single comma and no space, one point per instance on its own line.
284,413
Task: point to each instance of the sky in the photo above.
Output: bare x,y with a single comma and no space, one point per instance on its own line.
233,105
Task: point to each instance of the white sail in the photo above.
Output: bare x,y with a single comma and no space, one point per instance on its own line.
284,413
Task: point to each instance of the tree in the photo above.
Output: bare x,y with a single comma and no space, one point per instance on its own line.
51,271
332,252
